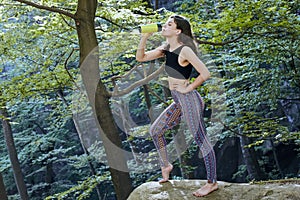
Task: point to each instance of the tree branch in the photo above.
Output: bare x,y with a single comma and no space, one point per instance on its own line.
112,22
136,84
156,95
240,36
230,129
221,43
62,16
52,9
69,74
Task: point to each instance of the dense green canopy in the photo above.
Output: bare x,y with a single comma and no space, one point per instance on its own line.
253,49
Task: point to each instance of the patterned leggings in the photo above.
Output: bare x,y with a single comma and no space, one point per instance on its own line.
190,106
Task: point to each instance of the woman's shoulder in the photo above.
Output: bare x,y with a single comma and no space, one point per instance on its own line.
187,52
163,47
186,49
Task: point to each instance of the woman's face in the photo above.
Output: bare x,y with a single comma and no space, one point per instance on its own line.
169,28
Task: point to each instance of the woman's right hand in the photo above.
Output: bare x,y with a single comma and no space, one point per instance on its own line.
146,35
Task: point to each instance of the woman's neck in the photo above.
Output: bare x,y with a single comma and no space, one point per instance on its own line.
173,42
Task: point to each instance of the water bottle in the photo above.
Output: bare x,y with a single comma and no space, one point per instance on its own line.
150,28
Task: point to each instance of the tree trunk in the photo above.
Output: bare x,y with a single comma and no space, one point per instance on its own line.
113,145
249,155
98,98
49,176
18,176
126,123
147,97
3,195
180,146
276,159
93,171
80,134
156,5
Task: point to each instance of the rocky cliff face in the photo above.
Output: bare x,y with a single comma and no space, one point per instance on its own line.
182,190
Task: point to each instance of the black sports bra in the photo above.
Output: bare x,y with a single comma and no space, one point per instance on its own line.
173,68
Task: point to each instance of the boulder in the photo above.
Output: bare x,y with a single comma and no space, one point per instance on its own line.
182,190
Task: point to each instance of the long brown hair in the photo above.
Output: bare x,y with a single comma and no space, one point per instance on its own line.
186,35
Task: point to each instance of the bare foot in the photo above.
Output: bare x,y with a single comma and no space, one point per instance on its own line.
165,171
206,189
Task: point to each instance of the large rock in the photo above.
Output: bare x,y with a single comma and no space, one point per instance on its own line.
182,190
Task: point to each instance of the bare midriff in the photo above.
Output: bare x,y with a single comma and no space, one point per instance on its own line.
173,82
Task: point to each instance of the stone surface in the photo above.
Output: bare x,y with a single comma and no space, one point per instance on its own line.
182,190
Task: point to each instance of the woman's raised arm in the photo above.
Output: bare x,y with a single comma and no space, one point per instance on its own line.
143,56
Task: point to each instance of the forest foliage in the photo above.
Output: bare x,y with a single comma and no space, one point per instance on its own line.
253,49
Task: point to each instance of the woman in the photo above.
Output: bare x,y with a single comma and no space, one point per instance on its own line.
181,56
